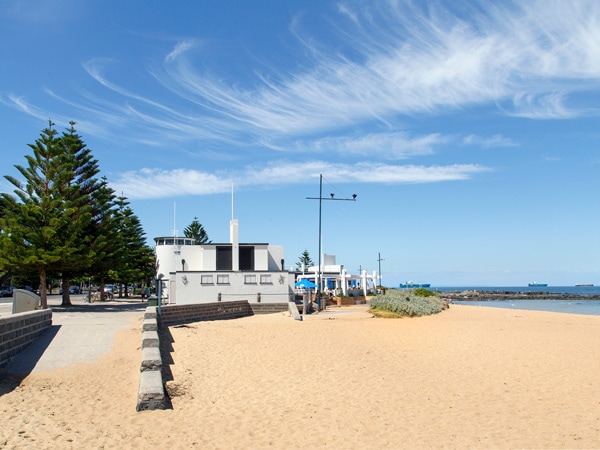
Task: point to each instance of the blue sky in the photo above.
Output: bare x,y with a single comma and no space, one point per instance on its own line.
468,130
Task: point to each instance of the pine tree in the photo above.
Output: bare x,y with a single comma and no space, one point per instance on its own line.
135,260
38,228
60,220
304,261
196,230
105,229
78,192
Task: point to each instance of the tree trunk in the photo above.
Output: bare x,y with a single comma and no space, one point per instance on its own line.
66,296
43,293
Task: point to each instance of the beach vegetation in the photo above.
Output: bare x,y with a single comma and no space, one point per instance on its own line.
423,292
396,303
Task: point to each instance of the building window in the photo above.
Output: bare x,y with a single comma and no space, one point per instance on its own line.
249,279
206,279
224,260
222,279
265,279
246,258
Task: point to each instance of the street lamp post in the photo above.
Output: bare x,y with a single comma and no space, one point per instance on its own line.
321,198
380,276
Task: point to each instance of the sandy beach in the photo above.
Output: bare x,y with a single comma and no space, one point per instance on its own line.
469,377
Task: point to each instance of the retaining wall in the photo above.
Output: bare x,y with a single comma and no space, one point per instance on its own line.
178,314
268,308
151,391
17,331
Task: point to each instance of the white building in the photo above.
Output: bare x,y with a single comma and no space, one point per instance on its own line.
335,278
209,273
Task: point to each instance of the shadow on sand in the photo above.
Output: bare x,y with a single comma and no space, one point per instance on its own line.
19,368
99,307
166,350
22,364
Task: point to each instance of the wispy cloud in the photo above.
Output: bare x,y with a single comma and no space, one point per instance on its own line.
41,13
402,58
181,182
394,60
21,104
384,145
549,106
496,140
437,60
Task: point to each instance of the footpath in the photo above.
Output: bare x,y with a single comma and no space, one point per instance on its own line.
81,333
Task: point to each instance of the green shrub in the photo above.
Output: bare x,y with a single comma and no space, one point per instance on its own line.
422,292
407,303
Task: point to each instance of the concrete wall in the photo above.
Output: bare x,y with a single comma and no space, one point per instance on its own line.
169,257
17,331
174,314
273,287
276,255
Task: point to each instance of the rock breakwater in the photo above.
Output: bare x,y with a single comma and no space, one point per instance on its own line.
477,295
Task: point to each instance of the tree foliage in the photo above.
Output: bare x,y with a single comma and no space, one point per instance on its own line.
63,220
196,230
135,260
304,261
40,223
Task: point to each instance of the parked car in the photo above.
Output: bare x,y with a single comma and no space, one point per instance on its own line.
28,288
6,291
74,290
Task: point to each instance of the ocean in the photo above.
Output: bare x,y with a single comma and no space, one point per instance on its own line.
586,307
581,290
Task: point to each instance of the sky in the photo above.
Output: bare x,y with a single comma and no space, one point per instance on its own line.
468,130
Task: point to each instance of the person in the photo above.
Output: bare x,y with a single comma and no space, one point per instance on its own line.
147,292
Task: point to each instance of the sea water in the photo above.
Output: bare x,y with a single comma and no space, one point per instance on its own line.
587,307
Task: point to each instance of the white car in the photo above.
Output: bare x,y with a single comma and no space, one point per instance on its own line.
108,292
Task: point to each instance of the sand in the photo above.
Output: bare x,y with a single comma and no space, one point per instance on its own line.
469,377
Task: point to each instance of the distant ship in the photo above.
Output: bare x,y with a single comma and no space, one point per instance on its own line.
410,285
584,284
535,284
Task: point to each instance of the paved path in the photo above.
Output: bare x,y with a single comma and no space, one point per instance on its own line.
81,333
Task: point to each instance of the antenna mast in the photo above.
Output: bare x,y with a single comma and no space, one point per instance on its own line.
174,219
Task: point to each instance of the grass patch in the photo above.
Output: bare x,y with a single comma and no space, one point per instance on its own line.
381,313
408,303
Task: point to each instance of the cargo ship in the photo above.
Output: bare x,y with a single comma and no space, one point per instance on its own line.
411,285
536,284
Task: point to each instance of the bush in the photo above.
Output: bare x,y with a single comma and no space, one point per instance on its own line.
422,292
407,303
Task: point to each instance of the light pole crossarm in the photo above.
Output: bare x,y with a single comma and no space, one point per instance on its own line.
353,199
321,198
